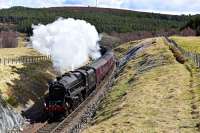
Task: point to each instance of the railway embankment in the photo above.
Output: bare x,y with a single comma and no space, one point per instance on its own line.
22,87
154,93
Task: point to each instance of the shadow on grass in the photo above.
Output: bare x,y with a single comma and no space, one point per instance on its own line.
31,87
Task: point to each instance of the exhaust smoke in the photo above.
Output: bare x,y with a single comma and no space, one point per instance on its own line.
70,42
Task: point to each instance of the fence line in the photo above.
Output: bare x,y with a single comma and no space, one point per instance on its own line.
23,60
195,57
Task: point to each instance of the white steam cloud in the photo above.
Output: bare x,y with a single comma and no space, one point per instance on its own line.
70,42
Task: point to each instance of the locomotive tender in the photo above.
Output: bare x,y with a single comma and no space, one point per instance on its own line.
69,90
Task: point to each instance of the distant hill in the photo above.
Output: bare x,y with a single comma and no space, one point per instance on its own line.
105,19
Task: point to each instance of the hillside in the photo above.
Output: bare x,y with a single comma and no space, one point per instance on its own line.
23,84
154,93
105,20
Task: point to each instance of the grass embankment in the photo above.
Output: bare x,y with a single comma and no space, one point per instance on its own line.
122,49
153,94
188,43
22,85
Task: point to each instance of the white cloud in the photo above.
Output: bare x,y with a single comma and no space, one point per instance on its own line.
162,6
4,3
110,3
38,3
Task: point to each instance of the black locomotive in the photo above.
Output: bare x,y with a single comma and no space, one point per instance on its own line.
69,90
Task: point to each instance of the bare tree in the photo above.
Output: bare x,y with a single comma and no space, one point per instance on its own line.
8,39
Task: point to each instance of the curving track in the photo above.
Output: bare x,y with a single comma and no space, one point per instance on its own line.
76,120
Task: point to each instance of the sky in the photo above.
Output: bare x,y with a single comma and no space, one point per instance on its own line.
159,6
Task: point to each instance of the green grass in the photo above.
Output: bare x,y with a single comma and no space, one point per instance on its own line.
12,101
188,43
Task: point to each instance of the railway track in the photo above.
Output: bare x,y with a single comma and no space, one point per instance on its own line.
48,127
76,120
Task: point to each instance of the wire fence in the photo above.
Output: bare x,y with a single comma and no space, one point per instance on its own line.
195,57
23,60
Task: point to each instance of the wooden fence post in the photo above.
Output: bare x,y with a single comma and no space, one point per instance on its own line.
23,60
197,59
31,59
193,56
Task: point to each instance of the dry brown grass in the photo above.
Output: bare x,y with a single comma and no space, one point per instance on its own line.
21,40
22,85
123,48
17,52
152,95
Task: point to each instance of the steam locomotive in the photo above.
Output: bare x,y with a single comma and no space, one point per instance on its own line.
70,89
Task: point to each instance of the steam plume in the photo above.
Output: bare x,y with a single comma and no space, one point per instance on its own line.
70,42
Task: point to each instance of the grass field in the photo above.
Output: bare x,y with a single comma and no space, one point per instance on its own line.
188,43
18,52
152,95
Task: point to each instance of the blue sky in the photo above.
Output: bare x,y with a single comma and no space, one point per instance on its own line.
161,6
